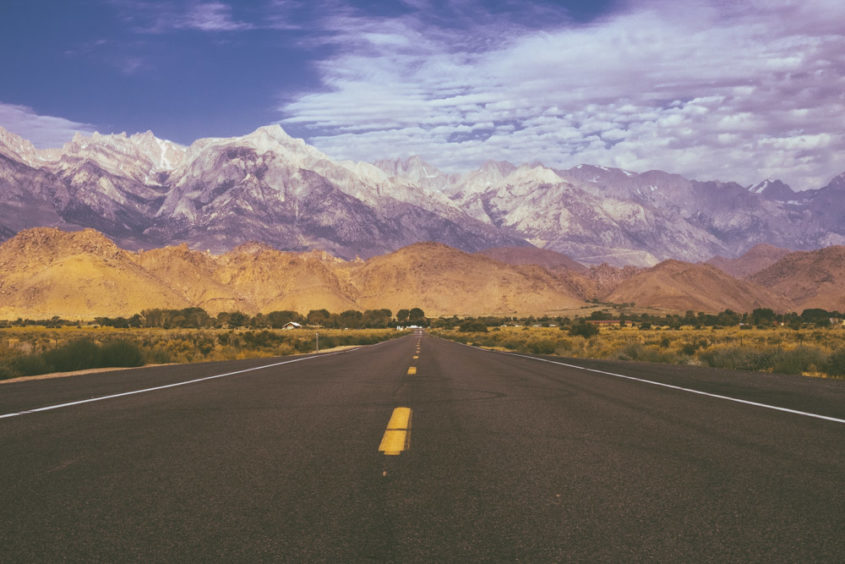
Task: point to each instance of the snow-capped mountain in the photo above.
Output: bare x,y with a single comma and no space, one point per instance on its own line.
269,187
219,193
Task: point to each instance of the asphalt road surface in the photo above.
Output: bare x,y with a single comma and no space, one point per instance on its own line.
503,458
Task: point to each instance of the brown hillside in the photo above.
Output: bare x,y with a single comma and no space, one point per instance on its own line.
581,281
444,281
276,280
679,286
756,259
809,278
532,255
46,272
194,275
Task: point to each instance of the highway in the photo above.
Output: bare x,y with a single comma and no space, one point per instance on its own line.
497,457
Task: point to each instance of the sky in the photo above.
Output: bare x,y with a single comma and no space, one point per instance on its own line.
733,90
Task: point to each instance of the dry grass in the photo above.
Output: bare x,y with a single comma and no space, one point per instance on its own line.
23,349
812,352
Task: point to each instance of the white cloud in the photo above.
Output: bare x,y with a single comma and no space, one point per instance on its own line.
148,16
42,131
210,16
706,89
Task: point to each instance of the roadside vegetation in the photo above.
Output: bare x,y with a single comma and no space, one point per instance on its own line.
812,343
31,347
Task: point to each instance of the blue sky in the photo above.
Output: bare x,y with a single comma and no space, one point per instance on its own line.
712,89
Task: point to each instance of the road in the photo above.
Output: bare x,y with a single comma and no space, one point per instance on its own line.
508,458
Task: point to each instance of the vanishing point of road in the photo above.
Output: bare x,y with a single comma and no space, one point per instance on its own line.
422,450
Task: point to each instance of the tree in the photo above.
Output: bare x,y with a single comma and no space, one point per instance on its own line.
816,316
232,319
763,316
352,319
416,316
318,317
279,319
402,315
377,318
727,318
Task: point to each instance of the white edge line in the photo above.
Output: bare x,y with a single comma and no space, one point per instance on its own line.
690,390
174,385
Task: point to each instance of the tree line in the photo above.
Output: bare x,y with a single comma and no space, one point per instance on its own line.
585,326
198,318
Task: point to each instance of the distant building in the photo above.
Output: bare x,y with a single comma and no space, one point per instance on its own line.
292,325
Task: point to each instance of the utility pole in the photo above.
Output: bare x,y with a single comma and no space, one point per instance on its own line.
317,336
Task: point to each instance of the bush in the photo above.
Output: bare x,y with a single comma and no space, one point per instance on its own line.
798,360
584,329
76,355
542,346
6,372
835,365
29,365
472,327
736,358
121,353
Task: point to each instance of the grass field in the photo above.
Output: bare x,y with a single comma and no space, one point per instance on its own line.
812,352
34,350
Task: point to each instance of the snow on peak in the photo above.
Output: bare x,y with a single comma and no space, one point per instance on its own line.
759,188
535,174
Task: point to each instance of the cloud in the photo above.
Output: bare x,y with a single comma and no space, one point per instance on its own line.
42,131
211,16
706,89
162,17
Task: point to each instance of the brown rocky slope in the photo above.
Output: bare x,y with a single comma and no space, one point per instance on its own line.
81,275
811,279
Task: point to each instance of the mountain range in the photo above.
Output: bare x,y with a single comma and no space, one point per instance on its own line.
267,187
83,274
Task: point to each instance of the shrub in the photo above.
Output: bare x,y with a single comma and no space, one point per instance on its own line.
29,365
542,346
835,365
798,360
472,327
584,329
6,372
76,355
735,358
121,353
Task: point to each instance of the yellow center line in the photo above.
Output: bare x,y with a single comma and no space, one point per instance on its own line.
412,370
416,357
397,436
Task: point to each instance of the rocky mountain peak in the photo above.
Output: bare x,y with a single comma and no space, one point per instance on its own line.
773,190
16,147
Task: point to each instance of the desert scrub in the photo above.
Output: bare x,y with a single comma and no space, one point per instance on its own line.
776,349
77,355
33,350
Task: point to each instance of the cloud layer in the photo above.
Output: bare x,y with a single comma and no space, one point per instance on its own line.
710,90
42,131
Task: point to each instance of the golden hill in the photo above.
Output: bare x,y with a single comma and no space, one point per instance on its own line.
756,259
531,255
811,279
581,281
81,275
46,272
681,286
445,281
